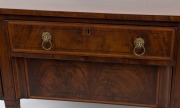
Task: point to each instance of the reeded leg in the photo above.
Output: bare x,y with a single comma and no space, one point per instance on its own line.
12,104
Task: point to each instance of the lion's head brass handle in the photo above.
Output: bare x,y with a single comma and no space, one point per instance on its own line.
46,44
139,44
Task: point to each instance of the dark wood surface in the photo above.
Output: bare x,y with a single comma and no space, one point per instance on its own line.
112,83
6,70
110,16
1,89
103,40
106,7
90,69
175,96
93,82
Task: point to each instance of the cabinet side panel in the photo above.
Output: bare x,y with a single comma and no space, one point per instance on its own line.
165,77
175,97
19,69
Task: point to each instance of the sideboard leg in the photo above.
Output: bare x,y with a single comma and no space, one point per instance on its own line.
12,104
10,96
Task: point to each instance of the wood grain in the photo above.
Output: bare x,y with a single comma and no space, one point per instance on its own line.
106,82
1,89
175,97
97,68
165,78
12,104
19,68
6,70
104,40
78,57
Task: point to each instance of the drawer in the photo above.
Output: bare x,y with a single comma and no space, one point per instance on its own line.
92,82
124,41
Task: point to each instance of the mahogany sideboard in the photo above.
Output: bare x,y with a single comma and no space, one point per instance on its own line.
89,56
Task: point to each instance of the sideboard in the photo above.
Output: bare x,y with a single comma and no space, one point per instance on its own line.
88,55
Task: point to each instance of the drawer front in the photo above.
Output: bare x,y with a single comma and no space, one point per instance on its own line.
92,82
92,39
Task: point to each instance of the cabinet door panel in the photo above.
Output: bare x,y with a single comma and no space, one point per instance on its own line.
93,82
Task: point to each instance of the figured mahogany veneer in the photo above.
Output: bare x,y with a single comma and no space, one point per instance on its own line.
138,85
102,40
106,82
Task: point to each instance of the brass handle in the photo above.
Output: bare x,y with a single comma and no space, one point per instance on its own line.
46,44
139,44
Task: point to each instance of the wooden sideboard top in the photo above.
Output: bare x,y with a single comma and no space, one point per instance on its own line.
153,10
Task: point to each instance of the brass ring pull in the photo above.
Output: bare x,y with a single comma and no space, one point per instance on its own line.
139,44
46,44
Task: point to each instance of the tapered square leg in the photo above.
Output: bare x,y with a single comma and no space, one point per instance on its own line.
12,104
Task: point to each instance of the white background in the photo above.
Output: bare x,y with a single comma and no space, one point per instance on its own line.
145,7
32,103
